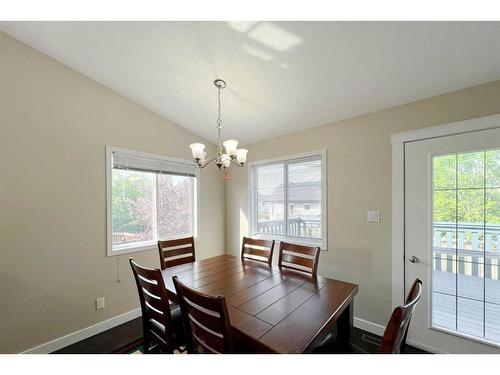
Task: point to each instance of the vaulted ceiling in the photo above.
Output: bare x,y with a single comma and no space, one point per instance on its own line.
282,76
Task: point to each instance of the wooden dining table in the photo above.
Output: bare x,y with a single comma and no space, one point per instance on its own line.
271,309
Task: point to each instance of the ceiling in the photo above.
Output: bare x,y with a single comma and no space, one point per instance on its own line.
282,76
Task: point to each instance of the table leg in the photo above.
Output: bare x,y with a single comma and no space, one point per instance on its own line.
344,323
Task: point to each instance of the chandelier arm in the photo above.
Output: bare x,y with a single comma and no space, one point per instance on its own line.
207,162
236,163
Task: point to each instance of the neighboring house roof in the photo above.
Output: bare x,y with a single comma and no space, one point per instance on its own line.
301,192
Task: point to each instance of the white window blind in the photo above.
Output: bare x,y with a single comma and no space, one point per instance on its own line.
141,162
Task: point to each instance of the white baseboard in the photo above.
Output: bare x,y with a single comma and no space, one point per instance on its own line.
365,325
82,334
378,330
427,348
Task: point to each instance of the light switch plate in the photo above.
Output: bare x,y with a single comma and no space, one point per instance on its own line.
373,216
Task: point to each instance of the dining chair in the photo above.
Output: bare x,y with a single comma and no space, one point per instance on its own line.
161,320
206,319
176,252
257,249
394,338
299,257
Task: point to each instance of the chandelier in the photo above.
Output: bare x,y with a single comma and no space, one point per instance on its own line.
233,154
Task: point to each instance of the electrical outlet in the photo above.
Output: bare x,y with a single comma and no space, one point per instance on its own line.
99,303
373,216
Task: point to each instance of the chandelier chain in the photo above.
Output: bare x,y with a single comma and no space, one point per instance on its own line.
219,123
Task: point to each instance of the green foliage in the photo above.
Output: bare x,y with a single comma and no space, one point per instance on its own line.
132,194
469,201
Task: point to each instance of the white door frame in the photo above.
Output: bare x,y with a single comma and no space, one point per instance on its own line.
398,142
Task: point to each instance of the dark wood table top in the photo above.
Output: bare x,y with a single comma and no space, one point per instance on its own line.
277,310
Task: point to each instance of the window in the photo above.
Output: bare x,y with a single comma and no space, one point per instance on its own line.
297,183
150,198
466,230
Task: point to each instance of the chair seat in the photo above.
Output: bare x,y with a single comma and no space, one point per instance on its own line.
333,345
177,325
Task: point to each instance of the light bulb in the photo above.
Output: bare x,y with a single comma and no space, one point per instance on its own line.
226,160
231,145
241,155
197,149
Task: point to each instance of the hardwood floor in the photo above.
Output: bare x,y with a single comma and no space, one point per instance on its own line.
120,339
128,336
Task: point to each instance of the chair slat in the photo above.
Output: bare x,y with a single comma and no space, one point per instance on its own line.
159,316
176,252
176,242
256,252
288,258
157,304
165,254
153,289
178,261
208,338
301,249
265,251
210,321
198,298
293,254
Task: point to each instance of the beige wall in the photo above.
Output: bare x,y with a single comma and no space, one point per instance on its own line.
359,179
54,125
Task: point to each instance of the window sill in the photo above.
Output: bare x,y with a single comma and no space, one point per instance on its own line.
136,248
297,240
124,249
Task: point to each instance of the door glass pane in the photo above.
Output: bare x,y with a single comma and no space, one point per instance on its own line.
444,273
466,224
270,199
492,230
493,168
444,310
492,283
492,319
304,199
470,283
445,172
470,315
471,170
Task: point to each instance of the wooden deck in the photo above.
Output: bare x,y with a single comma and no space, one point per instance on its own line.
467,313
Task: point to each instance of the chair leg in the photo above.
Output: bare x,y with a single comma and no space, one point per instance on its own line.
148,343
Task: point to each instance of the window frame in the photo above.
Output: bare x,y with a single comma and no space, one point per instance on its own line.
286,160
149,245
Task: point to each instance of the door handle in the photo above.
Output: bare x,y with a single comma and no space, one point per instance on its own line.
413,259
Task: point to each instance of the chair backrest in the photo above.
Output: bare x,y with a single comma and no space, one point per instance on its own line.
175,252
396,331
156,317
299,257
206,321
257,249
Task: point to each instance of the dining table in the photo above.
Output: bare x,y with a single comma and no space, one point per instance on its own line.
271,309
